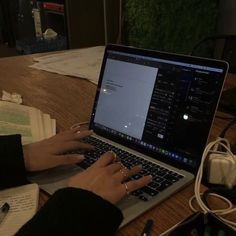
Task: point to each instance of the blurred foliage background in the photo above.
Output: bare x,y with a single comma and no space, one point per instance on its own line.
168,25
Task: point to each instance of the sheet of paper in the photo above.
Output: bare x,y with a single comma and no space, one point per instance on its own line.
48,126
23,203
25,120
84,63
19,119
53,125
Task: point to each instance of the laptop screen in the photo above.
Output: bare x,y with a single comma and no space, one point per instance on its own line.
157,103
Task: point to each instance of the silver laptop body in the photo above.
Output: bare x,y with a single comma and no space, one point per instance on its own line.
156,106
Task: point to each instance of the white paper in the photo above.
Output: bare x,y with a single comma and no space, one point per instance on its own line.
27,121
23,203
83,63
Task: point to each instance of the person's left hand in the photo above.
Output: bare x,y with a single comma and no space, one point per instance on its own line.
50,152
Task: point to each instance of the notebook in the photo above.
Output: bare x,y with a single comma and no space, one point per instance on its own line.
23,202
155,109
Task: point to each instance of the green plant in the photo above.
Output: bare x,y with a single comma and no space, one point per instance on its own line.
168,25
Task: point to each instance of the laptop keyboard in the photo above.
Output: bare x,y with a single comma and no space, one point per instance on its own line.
162,177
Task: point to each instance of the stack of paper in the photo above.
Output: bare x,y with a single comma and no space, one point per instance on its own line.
30,122
83,63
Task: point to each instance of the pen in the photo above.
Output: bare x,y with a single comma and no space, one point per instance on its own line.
147,228
3,211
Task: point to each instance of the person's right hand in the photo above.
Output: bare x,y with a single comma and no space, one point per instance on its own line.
106,178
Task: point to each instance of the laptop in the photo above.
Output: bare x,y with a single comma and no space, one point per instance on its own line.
155,109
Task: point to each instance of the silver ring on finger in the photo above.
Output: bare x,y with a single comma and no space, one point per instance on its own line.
124,172
126,189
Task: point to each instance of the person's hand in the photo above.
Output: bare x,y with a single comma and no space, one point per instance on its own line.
50,152
106,178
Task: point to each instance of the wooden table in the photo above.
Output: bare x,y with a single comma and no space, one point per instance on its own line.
69,100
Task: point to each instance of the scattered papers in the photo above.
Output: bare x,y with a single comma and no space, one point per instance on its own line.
83,63
11,97
30,122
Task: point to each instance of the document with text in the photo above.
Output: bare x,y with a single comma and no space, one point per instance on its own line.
23,202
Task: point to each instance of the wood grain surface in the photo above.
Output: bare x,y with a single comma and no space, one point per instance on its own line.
69,100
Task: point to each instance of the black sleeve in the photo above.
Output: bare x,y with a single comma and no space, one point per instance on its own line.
72,211
12,167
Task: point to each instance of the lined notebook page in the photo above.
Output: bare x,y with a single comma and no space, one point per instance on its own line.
23,203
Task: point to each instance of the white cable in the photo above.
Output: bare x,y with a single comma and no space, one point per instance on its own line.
226,212
212,147
229,222
220,211
77,125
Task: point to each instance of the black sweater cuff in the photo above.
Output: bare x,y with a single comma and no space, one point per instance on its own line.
73,211
12,167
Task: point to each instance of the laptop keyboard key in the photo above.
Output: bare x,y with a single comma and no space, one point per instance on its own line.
163,185
149,191
154,185
143,198
158,179
171,178
137,193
